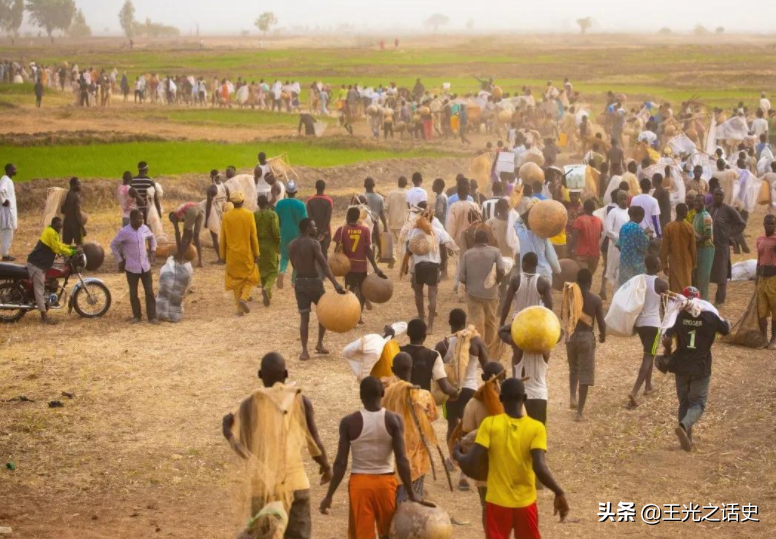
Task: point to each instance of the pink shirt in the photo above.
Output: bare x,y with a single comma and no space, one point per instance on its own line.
126,202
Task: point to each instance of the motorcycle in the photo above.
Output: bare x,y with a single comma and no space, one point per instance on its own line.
89,297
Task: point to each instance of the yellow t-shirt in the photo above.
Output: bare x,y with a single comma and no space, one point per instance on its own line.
509,441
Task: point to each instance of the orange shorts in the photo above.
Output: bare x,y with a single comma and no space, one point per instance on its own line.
372,504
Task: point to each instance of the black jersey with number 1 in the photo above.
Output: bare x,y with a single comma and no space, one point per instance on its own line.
695,336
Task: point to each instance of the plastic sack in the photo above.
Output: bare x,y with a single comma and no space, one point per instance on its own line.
744,271
626,306
174,281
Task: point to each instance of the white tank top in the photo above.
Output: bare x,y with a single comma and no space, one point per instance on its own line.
535,368
373,449
528,293
650,314
472,370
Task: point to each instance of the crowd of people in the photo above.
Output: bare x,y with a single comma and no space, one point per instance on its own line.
670,217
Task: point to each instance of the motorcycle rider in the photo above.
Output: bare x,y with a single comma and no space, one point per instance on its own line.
41,260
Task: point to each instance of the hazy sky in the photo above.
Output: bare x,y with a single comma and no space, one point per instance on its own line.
216,16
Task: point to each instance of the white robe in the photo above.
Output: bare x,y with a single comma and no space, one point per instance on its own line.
614,221
8,214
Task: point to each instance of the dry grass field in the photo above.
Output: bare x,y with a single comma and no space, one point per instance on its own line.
138,452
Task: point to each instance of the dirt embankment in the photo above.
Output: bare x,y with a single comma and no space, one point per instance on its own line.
75,138
342,182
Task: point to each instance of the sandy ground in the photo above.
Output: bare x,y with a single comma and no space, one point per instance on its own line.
138,452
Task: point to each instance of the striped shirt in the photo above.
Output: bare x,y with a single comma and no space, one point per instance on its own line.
142,184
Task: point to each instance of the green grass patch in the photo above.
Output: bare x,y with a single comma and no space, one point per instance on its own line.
171,158
237,117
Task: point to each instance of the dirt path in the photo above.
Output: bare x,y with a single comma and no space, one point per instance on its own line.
138,452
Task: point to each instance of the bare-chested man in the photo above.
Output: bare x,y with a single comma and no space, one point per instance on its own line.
304,253
580,346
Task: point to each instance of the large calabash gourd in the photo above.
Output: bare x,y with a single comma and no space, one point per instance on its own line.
416,521
498,93
531,172
339,264
338,312
95,256
163,250
536,330
376,289
670,130
547,218
568,273
505,115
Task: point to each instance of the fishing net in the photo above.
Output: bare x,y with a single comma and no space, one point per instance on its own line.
270,433
55,196
281,167
746,332
418,410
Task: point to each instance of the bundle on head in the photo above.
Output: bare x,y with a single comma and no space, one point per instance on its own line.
530,173
547,218
536,330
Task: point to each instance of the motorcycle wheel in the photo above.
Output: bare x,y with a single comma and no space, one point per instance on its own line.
10,292
92,300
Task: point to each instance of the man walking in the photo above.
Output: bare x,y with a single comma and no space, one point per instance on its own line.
695,331
515,447
585,239
131,248
320,207
633,244
477,266
268,233
278,422
648,327
8,214
702,225
357,246
397,209
426,272
376,438
580,346
727,224
766,279
239,246
306,257
678,251
290,212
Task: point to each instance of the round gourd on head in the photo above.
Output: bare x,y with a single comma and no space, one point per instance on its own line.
339,264
670,130
95,256
547,218
416,521
568,273
339,313
376,289
536,330
531,172
498,93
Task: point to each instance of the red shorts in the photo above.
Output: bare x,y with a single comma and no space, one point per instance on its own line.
500,521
